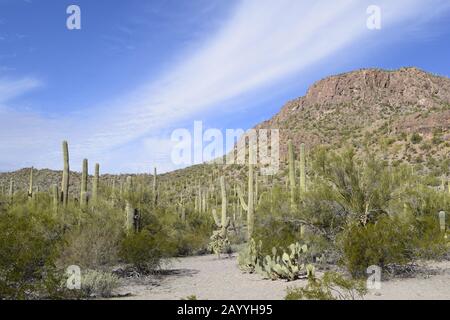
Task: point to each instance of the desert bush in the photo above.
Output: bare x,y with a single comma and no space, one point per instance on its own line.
193,235
27,254
95,240
145,250
386,241
98,284
416,138
332,286
428,241
276,224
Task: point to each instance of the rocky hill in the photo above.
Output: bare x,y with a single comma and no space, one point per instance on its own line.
401,115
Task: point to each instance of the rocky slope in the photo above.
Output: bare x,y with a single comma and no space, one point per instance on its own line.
404,114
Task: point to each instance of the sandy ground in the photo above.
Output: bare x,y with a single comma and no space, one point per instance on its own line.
208,278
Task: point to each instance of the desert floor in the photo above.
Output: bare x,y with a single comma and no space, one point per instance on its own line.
209,278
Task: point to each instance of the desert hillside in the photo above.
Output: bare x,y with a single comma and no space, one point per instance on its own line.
373,108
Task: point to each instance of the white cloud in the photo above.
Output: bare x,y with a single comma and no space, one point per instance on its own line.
10,89
263,41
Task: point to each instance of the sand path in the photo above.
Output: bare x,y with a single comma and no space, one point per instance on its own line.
206,277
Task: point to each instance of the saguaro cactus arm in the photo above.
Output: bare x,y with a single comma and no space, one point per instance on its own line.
241,198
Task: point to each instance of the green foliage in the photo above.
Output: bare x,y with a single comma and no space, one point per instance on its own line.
98,284
284,264
192,237
276,225
95,241
416,138
332,286
428,241
362,189
386,241
143,250
27,255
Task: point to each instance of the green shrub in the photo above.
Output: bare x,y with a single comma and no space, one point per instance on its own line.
332,286
386,241
143,250
96,241
276,225
429,242
27,255
416,138
98,284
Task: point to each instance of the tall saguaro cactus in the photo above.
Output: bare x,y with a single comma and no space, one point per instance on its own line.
84,184
11,190
291,159
224,222
65,175
219,240
30,187
302,169
155,187
249,206
95,183
130,211
224,202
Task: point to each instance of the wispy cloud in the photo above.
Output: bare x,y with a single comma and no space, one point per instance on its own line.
12,88
262,42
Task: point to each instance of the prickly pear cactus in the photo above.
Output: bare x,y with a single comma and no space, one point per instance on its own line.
281,265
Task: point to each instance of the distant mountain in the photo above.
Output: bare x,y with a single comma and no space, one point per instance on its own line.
401,115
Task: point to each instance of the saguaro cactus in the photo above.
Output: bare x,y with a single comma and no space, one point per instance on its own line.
219,239
224,222
11,190
155,187
30,187
65,175
249,206
95,183
55,196
223,191
291,159
84,184
302,169
131,215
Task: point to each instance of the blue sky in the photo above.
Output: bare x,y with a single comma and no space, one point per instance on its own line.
137,69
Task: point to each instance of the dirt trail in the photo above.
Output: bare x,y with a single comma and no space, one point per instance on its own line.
206,277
